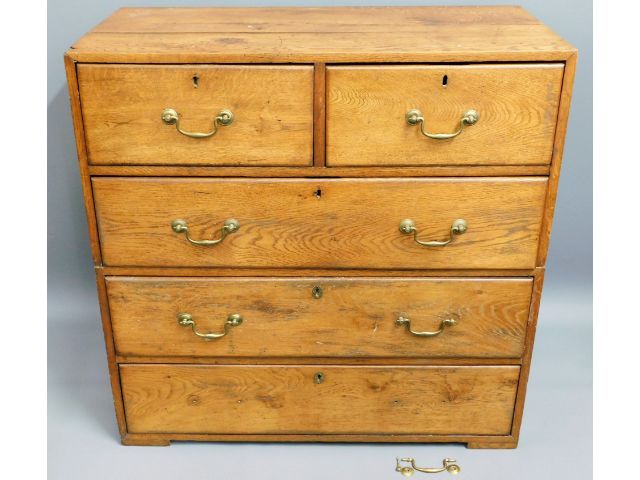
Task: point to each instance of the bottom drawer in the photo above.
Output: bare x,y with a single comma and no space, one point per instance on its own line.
466,400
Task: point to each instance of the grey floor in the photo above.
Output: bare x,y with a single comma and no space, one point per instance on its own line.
555,442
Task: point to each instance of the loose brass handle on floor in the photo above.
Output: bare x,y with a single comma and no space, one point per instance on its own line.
414,117
447,322
448,464
172,117
186,320
458,227
231,225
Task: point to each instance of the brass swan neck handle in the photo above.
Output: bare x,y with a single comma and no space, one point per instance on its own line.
458,227
172,117
415,117
230,225
448,465
186,320
447,322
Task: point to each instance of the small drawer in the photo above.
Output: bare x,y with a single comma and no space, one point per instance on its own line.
446,223
509,114
319,399
319,317
261,115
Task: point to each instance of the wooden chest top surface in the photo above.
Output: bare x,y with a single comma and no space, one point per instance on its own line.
332,35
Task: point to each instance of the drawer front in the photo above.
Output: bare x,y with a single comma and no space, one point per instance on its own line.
320,317
320,223
272,109
516,105
288,399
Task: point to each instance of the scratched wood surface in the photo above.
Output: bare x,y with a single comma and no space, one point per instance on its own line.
330,35
272,105
287,400
354,317
367,106
320,223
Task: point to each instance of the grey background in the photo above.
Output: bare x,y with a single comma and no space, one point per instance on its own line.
83,439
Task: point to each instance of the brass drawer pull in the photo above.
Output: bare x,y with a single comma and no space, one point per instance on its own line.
231,225
447,322
172,117
414,117
448,464
458,227
186,320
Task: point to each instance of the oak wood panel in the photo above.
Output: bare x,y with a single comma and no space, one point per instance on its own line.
353,317
306,19
208,360
351,223
114,372
78,129
530,339
319,100
556,162
318,171
436,43
286,399
366,108
273,108
165,439
297,272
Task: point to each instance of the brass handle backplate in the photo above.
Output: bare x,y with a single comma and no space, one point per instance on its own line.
231,225
447,322
186,320
448,465
172,117
415,117
458,227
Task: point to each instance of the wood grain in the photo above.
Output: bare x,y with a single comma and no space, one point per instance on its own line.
306,19
319,171
351,361
311,272
85,179
352,223
285,399
556,161
165,439
530,339
273,108
327,35
366,110
353,317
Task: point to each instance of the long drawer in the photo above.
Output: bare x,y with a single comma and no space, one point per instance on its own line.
319,317
476,223
319,399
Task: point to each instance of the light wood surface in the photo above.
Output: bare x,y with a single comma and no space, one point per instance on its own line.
286,399
556,162
353,223
307,35
319,179
272,105
307,19
354,317
83,167
319,171
367,106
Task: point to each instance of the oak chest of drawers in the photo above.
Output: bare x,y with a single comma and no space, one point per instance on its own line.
320,224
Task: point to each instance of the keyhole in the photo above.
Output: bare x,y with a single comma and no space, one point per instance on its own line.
318,377
445,80
196,80
316,292
318,193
